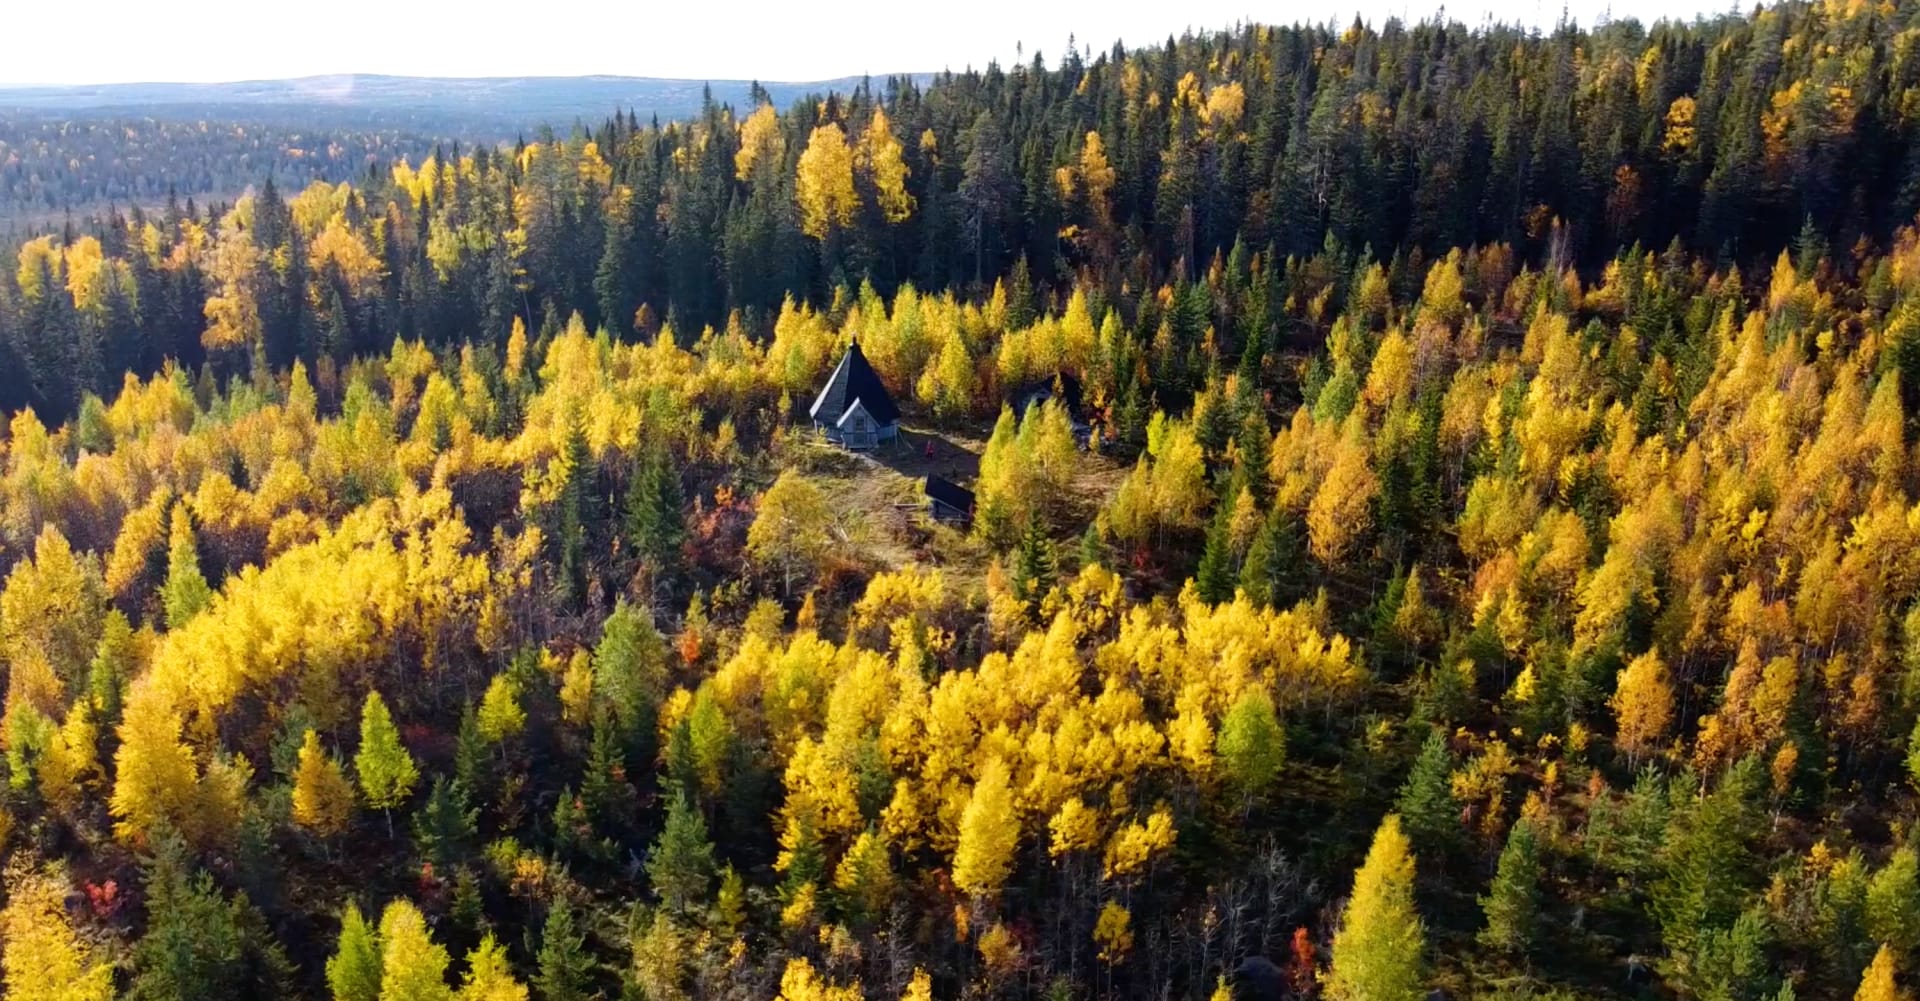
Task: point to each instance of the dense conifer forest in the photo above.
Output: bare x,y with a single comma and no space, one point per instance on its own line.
1469,541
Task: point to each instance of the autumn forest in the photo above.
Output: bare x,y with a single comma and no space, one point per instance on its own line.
1445,516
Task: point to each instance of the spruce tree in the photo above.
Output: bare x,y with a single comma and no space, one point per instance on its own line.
574,465
445,825
1215,578
604,790
471,752
566,970
1033,566
1512,903
198,943
655,522
1426,803
1256,569
681,864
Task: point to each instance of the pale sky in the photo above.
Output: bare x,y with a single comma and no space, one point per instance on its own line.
116,41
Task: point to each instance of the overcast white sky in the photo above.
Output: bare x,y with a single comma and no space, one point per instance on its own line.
106,41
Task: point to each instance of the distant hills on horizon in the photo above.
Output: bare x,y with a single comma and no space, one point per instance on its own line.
493,104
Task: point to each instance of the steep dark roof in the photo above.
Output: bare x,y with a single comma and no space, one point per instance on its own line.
949,493
854,379
1069,395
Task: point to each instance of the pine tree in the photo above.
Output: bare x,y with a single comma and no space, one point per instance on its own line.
1256,569
1379,948
1093,547
604,790
198,943
1426,803
575,467
445,825
1705,861
353,974
566,970
1034,571
322,798
572,828
111,667
630,676
186,591
470,754
681,864
387,772
656,525
1215,577
1273,571
1512,903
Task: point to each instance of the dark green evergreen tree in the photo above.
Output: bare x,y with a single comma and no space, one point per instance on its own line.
1512,903
1426,805
445,826
681,864
566,968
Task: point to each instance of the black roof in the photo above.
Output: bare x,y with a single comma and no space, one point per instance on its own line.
949,493
853,379
1069,394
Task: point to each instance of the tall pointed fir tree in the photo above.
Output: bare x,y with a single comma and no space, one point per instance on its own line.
1379,949
387,772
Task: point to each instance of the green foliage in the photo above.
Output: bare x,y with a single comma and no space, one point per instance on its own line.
353,974
681,863
630,673
566,970
572,509
1215,576
445,826
1704,861
1034,568
1426,804
186,591
1252,746
1893,903
1512,903
198,943
387,772
655,523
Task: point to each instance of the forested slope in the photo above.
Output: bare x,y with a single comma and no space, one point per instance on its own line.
1494,568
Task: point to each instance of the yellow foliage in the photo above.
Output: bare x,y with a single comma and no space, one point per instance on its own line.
824,186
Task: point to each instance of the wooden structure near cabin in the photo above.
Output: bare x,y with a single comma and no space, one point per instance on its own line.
948,501
854,410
